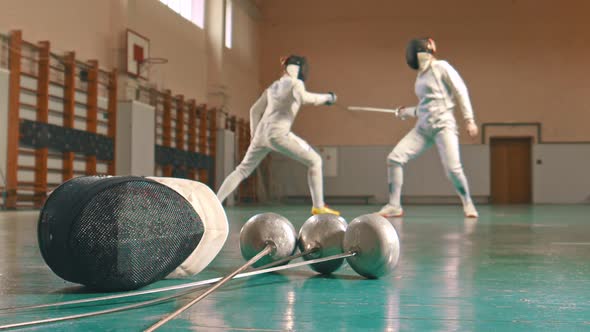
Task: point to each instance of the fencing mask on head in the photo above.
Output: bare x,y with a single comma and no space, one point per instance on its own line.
302,65
415,46
122,233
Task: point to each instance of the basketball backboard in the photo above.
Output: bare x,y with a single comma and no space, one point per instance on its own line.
137,50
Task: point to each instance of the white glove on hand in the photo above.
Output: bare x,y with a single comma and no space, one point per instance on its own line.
405,112
332,100
471,128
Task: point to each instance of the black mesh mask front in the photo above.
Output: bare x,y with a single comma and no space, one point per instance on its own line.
116,233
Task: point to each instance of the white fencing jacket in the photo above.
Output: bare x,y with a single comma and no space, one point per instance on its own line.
440,90
274,112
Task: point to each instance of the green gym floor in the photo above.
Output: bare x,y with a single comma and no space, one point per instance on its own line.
515,269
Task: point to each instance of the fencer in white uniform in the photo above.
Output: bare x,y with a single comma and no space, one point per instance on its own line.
440,91
271,119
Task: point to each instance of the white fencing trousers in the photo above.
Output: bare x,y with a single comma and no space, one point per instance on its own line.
416,142
289,145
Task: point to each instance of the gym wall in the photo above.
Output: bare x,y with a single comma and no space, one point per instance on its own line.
96,30
522,60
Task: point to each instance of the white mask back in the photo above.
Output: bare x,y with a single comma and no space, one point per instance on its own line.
292,70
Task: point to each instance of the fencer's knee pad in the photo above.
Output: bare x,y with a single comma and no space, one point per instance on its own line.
316,161
314,164
122,233
395,158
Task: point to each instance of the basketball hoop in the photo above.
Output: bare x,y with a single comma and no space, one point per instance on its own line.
145,66
153,61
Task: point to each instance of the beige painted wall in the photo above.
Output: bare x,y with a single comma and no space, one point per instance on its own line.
523,60
96,30
241,65
87,27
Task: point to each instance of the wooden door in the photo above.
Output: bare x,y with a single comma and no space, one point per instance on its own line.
511,170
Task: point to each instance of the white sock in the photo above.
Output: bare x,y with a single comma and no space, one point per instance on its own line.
316,186
229,185
395,179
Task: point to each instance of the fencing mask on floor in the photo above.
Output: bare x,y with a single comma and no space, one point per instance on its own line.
114,233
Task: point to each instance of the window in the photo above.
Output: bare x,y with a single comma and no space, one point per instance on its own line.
198,13
192,10
228,23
